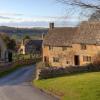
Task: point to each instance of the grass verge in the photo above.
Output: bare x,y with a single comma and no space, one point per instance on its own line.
2,74
18,65
85,86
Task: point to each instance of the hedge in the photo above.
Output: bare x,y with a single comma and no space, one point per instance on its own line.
51,72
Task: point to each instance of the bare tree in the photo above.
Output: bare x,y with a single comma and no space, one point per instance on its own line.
85,5
95,16
91,4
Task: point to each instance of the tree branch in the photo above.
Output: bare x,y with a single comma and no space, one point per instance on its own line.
81,4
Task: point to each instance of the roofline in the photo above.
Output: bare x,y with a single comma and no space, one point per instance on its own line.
72,44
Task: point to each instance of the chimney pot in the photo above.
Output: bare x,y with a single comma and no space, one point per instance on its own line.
51,25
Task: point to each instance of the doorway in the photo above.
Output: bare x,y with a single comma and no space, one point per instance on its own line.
76,60
9,56
46,59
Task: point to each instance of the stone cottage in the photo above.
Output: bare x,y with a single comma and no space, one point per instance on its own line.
67,46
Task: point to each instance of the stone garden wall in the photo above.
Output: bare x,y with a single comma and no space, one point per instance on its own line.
50,72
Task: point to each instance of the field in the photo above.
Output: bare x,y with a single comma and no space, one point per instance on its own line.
85,86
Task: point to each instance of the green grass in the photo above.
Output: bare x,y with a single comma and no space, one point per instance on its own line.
16,57
84,86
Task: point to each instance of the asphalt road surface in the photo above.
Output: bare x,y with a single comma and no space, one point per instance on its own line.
18,86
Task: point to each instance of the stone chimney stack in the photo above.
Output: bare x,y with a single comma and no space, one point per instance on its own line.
51,25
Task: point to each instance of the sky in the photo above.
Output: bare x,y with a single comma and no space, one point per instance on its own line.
36,13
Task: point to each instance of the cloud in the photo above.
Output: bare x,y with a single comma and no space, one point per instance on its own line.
45,19
17,19
39,23
10,14
3,17
39,19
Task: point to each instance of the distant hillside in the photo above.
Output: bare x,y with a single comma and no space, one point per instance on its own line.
21,31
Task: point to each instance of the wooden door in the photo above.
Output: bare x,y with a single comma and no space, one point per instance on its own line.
76,60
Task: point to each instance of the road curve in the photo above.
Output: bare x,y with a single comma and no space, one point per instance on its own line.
17,86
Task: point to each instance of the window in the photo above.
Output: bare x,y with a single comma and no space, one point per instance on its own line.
83,46
64,48
50,48
86,58
67,62
55,59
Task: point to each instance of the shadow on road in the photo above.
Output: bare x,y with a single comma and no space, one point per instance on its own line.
21,76
18,85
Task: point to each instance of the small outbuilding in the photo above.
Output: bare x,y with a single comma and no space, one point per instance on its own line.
30,47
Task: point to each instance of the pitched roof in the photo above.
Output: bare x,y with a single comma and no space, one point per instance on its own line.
86,33
60,36
37,43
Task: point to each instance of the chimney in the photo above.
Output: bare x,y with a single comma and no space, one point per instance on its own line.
51,25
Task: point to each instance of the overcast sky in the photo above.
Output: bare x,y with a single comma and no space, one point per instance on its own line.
30,13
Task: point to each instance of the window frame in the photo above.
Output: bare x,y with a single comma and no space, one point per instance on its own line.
87,58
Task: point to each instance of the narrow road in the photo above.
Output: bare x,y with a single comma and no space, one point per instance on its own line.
17,86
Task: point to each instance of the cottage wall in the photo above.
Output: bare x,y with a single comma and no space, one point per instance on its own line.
63,55
66,56
91,51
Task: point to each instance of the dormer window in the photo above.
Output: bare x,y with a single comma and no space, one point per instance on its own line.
83,47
